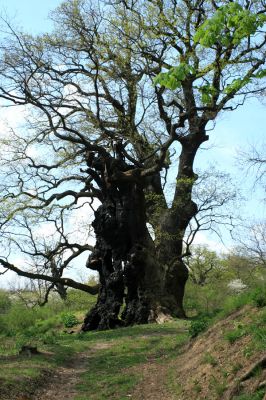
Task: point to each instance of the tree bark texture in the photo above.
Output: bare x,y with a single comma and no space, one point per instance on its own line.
139,279
122,256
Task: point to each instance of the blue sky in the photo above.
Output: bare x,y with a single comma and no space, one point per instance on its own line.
32,15
234,130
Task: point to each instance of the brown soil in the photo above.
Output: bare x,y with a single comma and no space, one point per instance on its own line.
206,369
61,386
152,385
212,364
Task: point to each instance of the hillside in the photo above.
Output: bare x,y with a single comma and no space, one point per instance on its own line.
226,361
159,362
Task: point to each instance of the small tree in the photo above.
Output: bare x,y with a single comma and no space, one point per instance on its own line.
252,243
203,265
255,161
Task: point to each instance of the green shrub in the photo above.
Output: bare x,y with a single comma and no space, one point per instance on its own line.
49,338
18,319
199,325
5,302
69,320
258,297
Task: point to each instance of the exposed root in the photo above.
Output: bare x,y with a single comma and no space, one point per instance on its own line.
235,387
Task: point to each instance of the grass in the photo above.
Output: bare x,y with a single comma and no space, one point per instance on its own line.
114,358
235,334
209,359
254,396
217,386
129,348
22,374
111,357
255,328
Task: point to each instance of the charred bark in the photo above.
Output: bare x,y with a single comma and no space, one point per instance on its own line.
121,255
147,280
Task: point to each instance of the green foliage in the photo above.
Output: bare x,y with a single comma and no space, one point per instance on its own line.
233,303
260,74
5,302
222,284
199,325
77,300
69,320
207,93
174,77
236,85
258,297
229,25
205,266
18,319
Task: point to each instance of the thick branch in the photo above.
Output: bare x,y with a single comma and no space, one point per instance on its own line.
64,281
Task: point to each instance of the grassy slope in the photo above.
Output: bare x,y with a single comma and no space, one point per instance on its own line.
142,362
110,357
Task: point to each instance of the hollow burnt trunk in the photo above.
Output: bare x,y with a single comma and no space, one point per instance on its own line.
145,278
122,258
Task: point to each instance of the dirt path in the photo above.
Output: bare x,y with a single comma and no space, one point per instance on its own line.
153,383
62,385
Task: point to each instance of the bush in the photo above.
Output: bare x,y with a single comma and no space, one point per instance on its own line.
69,320
18,319
5,302
199,325
258,297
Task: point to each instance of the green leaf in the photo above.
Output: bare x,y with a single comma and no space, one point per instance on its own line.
173,78
207,93
236,85
260,74
229,24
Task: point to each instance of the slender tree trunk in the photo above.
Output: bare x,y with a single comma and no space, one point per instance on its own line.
174,223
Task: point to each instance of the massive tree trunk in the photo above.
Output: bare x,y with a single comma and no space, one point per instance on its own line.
147,278
123,256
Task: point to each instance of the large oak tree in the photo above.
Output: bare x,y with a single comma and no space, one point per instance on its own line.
113,93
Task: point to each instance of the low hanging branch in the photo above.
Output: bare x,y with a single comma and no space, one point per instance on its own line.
64,281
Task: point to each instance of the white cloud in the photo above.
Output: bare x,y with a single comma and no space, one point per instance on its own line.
215,245
11,117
